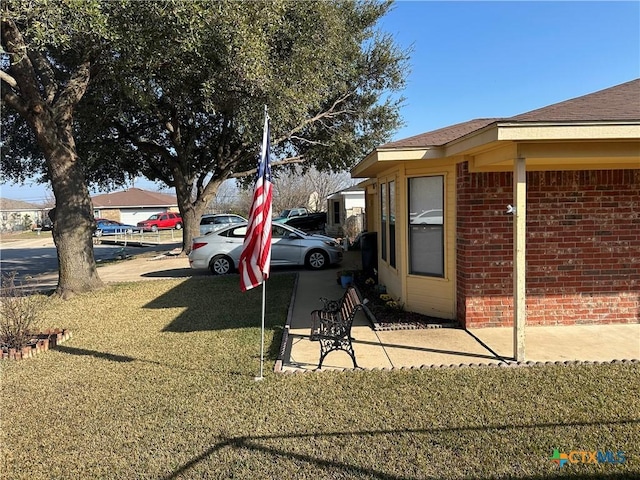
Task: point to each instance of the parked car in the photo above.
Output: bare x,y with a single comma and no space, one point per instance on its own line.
290,213
111,227
429,217
215,221
161,221
220,251
308,223
45,224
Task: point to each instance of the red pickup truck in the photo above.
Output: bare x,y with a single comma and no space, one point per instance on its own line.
160,221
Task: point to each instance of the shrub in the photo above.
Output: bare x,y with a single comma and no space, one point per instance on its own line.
19,309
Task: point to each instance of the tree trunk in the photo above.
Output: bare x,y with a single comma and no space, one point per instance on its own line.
192,212
191,228
73,224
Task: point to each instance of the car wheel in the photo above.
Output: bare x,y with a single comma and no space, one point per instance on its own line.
129,231
178,226
154,228
98,233
317,260
221,265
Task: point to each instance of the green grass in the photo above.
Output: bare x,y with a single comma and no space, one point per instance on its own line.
158,382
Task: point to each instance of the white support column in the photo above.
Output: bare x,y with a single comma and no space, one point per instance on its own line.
519,258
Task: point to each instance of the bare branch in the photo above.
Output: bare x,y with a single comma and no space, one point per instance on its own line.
5,77
332,112
306,140
286,161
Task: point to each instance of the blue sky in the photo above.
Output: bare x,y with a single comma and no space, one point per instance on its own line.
498,59
495,59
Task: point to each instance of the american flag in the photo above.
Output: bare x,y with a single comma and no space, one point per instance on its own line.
255,258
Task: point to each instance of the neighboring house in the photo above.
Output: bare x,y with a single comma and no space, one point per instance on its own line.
571,252
133,205
345,213
18,215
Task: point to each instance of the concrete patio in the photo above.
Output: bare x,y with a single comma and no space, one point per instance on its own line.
440,346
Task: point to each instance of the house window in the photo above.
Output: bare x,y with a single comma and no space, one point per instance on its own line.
392,224
426,226
336,212
383,220
388,222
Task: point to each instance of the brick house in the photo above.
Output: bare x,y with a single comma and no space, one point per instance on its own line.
569,254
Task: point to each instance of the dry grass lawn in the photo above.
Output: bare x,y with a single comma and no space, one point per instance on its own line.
158,383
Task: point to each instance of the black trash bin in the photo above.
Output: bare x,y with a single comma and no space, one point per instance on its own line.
369,249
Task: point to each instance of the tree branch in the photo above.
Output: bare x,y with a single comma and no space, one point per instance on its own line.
73,92
306,140
285,161
15,102
332,112
5,77
45,72
21,67
150,147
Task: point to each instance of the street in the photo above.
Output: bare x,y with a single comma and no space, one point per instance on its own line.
37,256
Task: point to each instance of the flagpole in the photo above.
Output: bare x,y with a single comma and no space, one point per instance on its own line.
264,297
255,258
264,302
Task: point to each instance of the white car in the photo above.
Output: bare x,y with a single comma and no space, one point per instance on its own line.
220,251
429,217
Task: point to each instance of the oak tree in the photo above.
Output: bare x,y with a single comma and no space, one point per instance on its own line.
50,52
183,100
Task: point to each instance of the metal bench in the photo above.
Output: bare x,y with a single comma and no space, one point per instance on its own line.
331,326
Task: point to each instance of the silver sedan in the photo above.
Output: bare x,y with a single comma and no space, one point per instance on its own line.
220,251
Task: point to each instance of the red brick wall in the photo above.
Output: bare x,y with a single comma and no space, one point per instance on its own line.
583,247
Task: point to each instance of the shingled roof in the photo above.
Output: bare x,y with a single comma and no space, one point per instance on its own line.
7,204
619,103
441,136
134,197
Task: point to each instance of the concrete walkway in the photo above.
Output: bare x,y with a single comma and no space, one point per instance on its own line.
440,346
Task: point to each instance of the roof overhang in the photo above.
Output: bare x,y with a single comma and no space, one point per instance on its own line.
546,146
383,159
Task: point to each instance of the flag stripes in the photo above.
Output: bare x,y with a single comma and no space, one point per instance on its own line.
255,258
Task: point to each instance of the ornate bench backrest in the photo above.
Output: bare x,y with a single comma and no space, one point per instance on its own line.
351,303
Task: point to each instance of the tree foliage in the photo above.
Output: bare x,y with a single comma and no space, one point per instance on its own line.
175,91
182,101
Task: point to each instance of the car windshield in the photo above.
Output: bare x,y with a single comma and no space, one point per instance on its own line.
298,231
153,217
285,213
